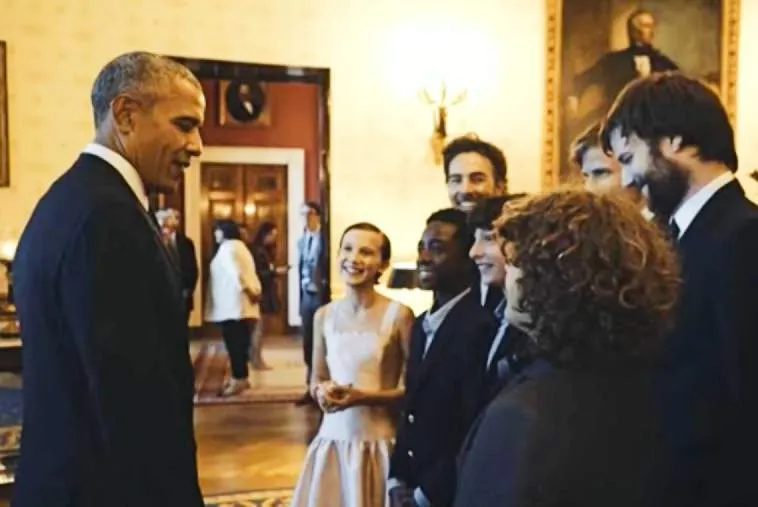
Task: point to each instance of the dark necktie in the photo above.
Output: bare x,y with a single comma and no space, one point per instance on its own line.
674,230
492,299
308,245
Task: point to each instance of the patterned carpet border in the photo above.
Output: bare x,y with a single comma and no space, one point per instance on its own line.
265,498
11,413
210,363
10,439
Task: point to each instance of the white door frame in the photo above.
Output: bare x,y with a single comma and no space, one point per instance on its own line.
294,160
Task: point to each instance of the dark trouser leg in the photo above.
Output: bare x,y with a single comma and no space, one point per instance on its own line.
308,309
236,335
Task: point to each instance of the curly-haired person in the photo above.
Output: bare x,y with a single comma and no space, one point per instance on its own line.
593,284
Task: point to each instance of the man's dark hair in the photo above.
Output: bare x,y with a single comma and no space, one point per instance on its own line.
488,210
458,219
472,144
314,207
670,104
590,138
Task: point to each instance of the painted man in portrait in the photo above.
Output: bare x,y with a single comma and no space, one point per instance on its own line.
616,68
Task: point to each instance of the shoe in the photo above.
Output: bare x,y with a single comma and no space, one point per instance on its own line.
234,387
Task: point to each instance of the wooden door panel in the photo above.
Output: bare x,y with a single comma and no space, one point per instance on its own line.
249,194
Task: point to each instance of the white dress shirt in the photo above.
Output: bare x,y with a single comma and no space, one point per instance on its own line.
689,209
502,328
124,168
432,321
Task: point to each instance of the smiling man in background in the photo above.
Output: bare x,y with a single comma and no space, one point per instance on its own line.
475,170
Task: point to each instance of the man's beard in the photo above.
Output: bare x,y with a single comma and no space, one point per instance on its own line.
667,183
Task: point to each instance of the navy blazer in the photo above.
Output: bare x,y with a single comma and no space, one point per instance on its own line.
558,438
709,384
443,397
108,383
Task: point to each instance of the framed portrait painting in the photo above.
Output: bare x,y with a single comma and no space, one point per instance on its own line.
5,177
596,47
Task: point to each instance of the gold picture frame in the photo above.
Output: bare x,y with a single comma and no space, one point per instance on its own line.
5,175
556,133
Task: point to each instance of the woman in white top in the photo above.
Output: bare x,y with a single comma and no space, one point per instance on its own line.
360,349
232,302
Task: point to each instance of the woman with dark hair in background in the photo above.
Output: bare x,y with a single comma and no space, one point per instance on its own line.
263,249
360,347
233,294
593,285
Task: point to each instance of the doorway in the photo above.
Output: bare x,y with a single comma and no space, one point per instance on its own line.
249,194
307,179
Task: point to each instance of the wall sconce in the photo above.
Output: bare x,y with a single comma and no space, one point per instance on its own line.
249,209
440,100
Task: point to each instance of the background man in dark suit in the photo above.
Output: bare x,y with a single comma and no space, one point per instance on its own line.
445,368
475,170
312,269
674,141
107,377
182,249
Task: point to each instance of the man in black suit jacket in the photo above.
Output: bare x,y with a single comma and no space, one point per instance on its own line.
182,249
675,142
444,370
107,378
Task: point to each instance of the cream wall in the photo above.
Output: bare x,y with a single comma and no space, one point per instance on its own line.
378,53
380,166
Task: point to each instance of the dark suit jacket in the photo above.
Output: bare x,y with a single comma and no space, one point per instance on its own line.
614,70
506,363
108,383
264,265
493,298
709,385
556,438
317,266
442,399
188,267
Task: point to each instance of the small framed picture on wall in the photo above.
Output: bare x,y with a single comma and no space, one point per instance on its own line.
244,103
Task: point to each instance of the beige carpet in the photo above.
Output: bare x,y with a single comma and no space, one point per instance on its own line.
283,383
